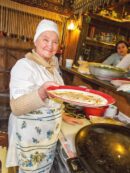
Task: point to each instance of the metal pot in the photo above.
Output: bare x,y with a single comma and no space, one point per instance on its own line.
103,148
105,72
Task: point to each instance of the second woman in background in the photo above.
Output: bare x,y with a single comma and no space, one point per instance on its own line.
121,52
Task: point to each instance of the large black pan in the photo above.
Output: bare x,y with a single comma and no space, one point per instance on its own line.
104,148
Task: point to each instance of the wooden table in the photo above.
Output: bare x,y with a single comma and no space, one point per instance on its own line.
73,77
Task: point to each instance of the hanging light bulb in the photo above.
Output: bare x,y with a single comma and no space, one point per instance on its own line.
71,26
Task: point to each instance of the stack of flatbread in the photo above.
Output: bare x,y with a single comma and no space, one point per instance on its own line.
83,67
95,119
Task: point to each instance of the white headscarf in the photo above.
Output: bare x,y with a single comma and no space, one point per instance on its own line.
45,25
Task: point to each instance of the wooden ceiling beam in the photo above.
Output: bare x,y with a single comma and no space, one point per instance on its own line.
31,10
117,4
62,8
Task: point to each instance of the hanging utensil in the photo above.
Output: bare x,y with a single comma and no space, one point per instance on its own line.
18,24
23,27
35,21
11,23
27,24
34,25
30,27
6,21
4,17
1,24
15,23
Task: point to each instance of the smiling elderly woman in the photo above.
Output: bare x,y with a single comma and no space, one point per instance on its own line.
35,120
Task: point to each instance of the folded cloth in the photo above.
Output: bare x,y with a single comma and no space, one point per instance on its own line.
124,87
116,83
83,67
119,81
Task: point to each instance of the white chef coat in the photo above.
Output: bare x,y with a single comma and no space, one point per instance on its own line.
33,137
113,59
125,62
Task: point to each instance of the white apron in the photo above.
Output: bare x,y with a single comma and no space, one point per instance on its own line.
33,137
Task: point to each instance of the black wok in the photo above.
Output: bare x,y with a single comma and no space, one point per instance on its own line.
104,148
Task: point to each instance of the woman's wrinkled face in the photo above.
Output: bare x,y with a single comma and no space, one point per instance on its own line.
122,49
47,44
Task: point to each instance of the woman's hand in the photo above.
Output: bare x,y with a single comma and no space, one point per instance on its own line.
72,120
42,91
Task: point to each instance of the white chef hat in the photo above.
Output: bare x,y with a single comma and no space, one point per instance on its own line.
45,25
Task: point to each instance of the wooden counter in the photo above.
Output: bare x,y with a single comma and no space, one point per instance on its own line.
73,77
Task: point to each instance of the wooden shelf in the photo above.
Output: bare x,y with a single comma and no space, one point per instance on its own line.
4,71
121,21
100,44
114,22
15,44
117,4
